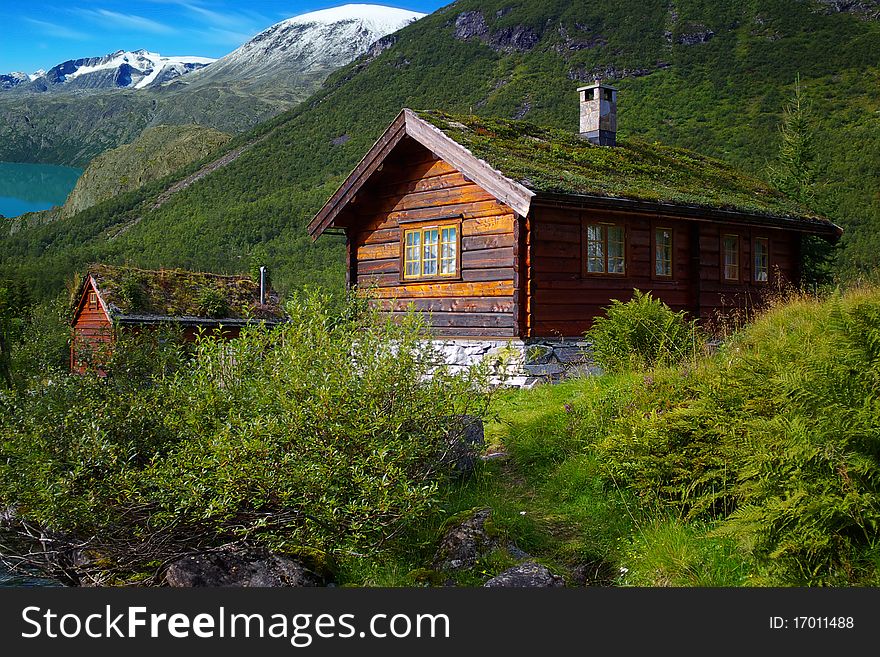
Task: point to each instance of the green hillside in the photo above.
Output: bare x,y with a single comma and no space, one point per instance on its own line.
710,76
156,153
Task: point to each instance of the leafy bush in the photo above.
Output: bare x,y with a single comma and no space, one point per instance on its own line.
325,436
212,302
641,333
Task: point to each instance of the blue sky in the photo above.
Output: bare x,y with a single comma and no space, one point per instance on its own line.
37,34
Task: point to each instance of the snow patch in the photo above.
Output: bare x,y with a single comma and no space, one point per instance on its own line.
379,17
312,42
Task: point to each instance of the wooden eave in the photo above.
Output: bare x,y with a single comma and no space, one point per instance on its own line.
186,320
408,124
90,283
815,226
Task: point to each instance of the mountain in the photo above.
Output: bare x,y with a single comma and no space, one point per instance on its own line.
138,69
309,45
12,80
278,68
713,77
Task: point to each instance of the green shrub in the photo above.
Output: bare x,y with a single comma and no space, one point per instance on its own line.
212,302
324,435
641,333
777,439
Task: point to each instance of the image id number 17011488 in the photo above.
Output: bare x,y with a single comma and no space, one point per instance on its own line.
812,623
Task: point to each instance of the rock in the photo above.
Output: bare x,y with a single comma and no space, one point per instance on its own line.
516,38
526,575
465,542
244,568
539,354
551,369
596,572
693,38
570,355
467,438
514,551
469,25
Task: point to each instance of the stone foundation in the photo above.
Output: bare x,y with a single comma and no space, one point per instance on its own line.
520,363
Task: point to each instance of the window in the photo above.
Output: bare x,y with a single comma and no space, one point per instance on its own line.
761,250
730,257
605,248
93,301
663,253
431,251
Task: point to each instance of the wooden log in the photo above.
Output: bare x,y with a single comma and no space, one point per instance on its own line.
489,225
379,251
479,242
477,209
468,320
494,274
450,304
487,258
457,289
387,266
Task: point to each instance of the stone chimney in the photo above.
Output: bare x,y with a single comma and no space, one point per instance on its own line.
599,114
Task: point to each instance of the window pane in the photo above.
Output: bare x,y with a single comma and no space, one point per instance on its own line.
448,248
762,260
595,249
615,249
731,258
429,252
412,253
663,252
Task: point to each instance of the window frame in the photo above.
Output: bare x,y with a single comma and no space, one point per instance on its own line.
585,226
92,300
722,253
766,241
654,275
422,226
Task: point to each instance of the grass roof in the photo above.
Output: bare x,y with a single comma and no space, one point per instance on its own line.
552,161
178,294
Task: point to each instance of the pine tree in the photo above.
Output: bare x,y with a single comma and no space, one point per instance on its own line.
795,173
795,170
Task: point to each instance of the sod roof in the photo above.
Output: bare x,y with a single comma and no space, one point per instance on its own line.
556,162
177,295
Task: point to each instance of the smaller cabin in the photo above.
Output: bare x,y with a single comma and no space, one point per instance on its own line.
121,298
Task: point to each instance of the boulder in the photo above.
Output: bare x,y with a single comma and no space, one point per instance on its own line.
526,575
466,441
464,542
242,568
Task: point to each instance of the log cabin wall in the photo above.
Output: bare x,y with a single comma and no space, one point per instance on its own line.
562,298
718,296
415,186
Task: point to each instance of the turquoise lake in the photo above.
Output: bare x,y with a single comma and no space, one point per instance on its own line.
33,187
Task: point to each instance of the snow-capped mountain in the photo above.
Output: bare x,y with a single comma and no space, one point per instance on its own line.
137,69
310,43
14,79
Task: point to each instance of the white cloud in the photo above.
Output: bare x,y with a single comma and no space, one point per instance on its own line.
58,31
128,21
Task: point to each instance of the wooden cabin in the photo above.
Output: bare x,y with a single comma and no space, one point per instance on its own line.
113,299
503,230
